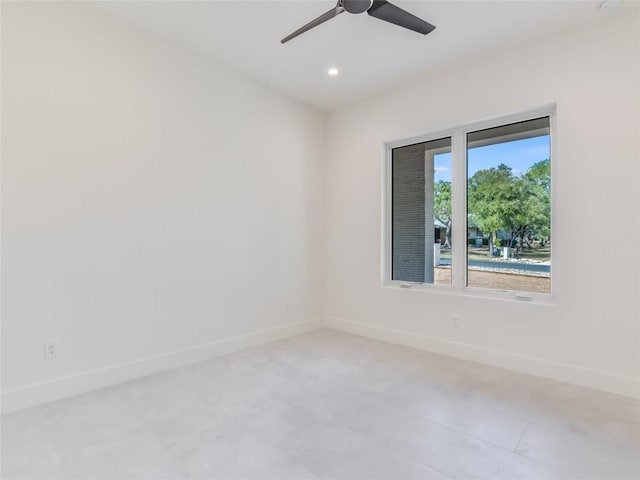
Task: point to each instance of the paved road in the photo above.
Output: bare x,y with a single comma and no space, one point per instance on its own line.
498,265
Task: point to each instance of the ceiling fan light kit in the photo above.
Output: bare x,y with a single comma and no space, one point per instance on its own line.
380,9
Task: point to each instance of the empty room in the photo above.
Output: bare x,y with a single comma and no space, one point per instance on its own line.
314,240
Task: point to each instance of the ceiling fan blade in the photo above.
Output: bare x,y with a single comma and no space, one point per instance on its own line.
383,10
314,23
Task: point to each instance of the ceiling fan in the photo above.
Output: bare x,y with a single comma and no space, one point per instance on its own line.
380,9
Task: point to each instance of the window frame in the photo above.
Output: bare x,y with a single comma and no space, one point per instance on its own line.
459,179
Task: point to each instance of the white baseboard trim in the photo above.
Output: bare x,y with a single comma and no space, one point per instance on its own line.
597,379
39,393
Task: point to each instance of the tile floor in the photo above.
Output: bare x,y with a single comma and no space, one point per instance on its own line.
329,405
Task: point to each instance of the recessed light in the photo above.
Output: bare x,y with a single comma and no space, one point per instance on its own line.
333,71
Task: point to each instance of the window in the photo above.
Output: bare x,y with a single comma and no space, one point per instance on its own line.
495,178
509,207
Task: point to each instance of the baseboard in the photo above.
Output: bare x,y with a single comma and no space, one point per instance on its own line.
599,380
39,393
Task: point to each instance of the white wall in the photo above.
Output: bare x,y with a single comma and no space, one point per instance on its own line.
591,335
151,203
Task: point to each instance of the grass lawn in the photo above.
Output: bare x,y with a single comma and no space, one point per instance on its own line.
536,254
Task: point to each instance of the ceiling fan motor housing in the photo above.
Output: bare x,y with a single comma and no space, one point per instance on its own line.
356,6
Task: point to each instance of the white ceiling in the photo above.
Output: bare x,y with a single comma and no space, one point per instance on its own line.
372,55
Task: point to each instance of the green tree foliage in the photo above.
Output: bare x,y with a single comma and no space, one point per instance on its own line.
491,194
442,206
538,178
499,200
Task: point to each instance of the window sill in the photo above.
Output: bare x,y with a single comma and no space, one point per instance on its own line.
471,292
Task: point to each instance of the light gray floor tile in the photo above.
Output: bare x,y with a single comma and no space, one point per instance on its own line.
467,416
329,405
379,465
89,419
237,453
576,456
133,457
328,451
27,448
162,396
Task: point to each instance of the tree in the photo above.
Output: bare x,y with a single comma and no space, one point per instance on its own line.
498,200
538,178
533,215
539,174
491,200
442,207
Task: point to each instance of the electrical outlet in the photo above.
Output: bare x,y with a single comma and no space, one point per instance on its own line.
456,320
51,349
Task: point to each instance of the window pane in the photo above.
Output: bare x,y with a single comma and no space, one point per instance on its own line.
421,212
509,207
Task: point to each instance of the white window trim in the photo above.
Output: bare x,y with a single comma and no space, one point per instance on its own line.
459,207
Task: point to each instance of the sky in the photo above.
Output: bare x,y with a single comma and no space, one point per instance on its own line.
518,155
